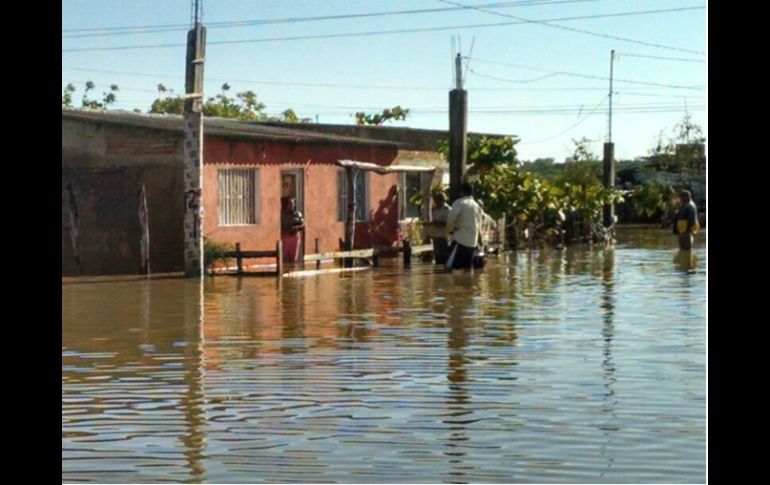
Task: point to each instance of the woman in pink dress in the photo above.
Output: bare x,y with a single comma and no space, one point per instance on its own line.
292,223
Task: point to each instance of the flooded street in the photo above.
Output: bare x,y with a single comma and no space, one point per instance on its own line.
582,365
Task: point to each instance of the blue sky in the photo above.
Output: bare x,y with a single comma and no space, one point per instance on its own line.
545,84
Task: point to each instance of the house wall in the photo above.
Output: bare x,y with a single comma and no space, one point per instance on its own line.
103,168
320,193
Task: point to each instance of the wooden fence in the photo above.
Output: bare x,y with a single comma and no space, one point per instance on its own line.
371,255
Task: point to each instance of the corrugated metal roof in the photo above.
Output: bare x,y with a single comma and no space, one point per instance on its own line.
222,127
406,137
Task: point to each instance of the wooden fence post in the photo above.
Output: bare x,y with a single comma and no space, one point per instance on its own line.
317,263
238,257
279,257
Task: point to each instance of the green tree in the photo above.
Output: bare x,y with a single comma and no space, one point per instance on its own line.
546,168
66,98
108,97
682,151
169,105
244,106
582,151
289,116
395,113
485,153
675,161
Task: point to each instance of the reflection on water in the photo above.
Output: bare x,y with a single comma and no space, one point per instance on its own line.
556,366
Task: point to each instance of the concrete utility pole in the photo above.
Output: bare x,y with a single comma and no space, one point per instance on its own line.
609,155
458,131
193,146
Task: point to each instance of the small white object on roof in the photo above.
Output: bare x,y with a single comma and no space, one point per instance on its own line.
373,167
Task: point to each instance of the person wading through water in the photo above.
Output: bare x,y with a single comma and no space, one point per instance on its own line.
686,221
464,224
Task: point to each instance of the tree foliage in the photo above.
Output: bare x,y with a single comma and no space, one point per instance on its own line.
485,153
682,150
243,106
395,113
108,97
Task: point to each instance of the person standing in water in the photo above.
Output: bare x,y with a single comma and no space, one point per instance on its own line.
436,229
686,224
292,224
464,224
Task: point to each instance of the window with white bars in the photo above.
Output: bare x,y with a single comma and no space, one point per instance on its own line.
238,196
362,195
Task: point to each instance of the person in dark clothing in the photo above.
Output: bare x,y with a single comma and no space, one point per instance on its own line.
292,224
436,229
686,224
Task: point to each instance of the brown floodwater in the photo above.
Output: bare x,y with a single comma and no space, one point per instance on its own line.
581,365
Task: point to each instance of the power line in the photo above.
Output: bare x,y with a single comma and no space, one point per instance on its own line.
349,86
148,29
661,57
388,32
511,112
571,126
522,81
565,110
489,109
574,74
581,31
657,95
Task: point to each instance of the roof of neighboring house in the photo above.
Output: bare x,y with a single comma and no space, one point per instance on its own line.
417,139
222,127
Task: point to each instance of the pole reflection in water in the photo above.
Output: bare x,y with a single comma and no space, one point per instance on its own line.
457,376
193,400
608,366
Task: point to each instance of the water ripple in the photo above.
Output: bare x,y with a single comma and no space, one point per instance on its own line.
583,365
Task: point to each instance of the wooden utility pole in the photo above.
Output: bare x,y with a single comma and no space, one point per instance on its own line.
193,146
458,130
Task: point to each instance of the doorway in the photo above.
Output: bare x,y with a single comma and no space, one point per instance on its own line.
292,186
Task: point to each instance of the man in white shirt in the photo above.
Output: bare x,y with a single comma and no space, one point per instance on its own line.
464,224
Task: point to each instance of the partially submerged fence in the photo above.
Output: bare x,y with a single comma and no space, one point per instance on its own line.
371,256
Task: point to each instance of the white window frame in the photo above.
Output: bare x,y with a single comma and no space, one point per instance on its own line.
234,182
404,197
